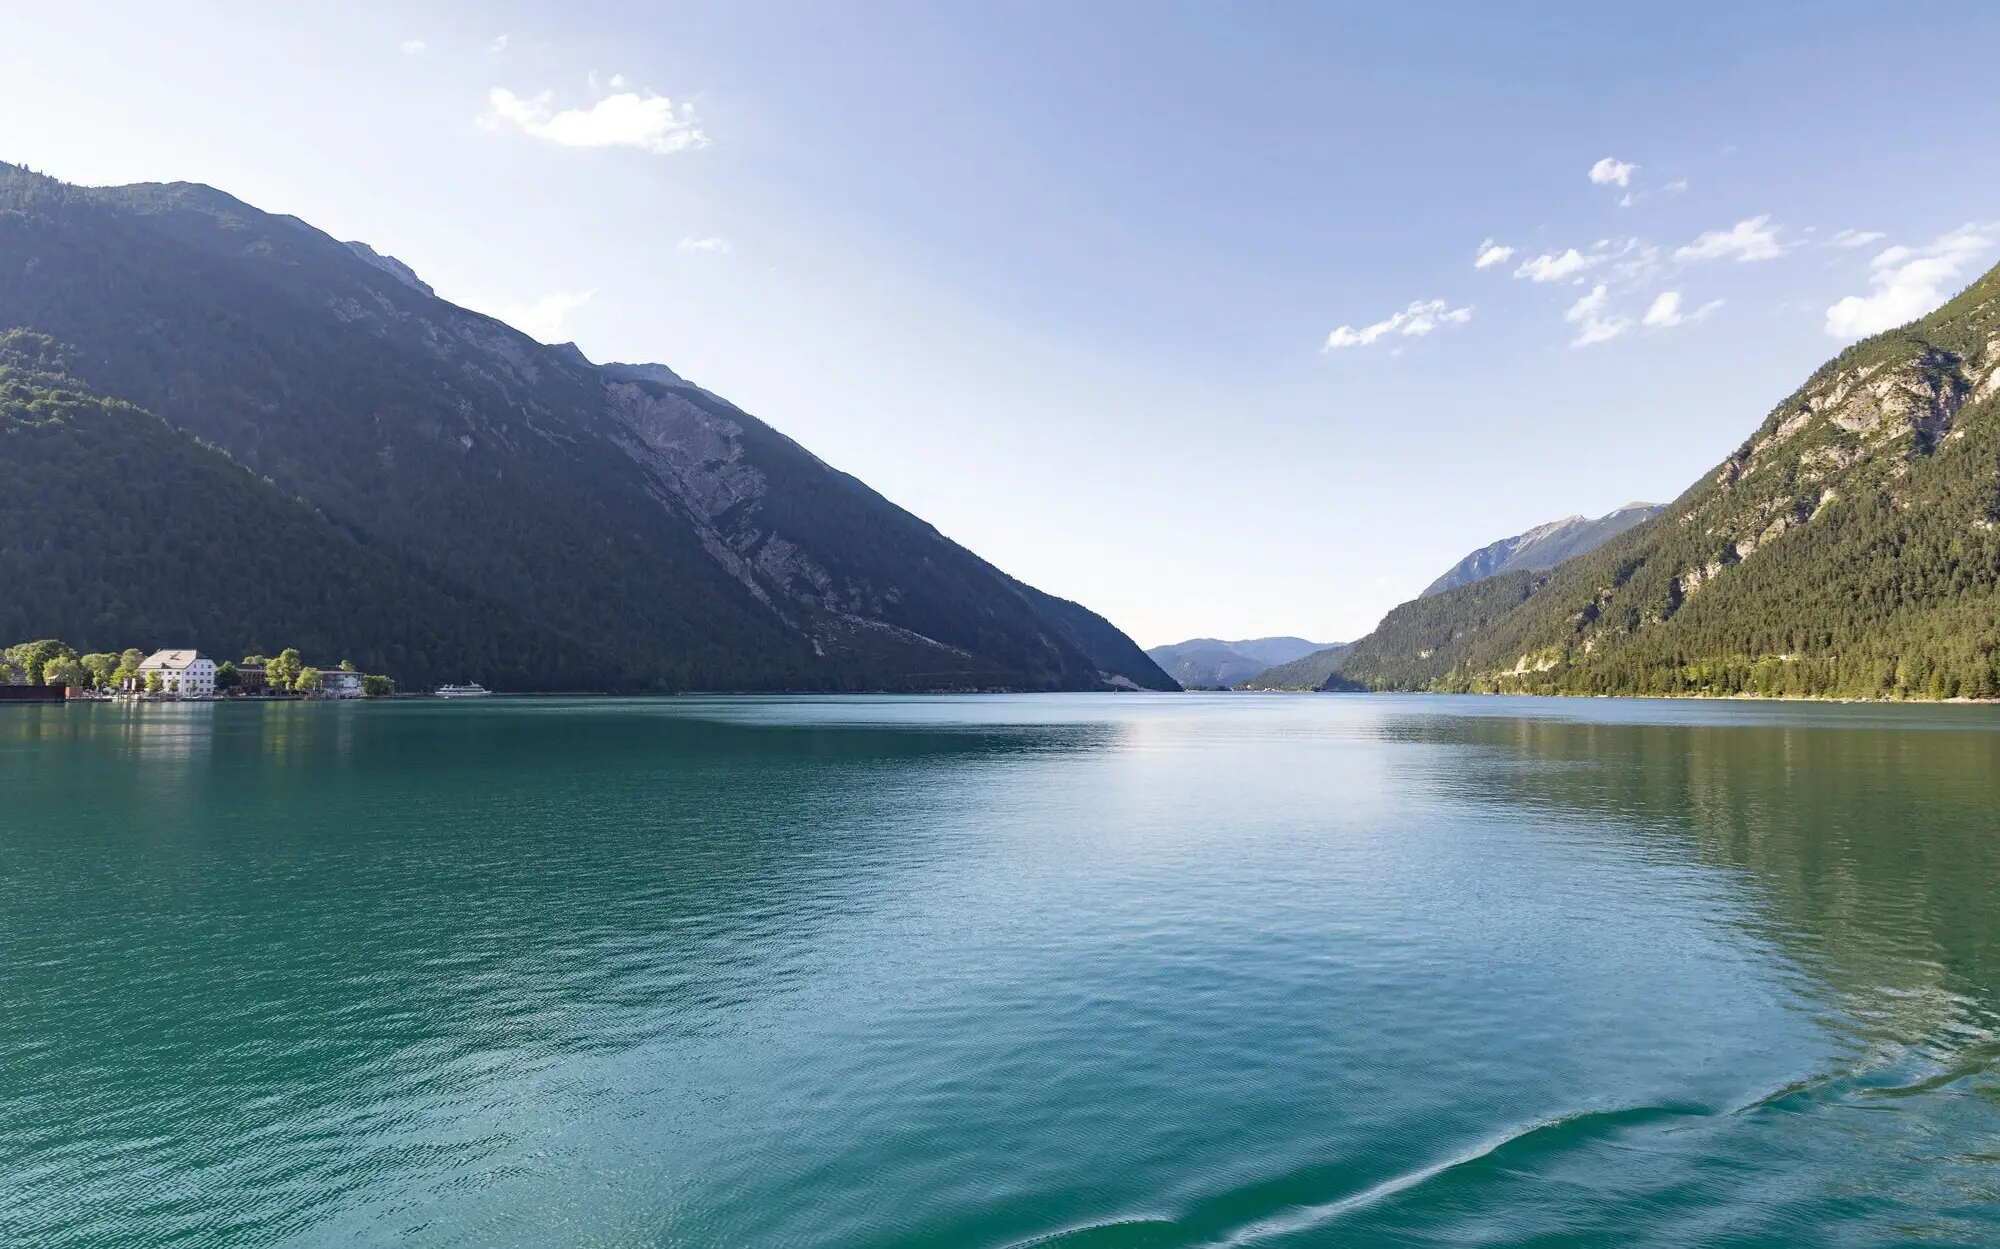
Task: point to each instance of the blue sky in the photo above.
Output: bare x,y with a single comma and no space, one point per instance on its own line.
1171,309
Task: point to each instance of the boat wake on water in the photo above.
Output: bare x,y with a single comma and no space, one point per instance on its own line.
1546,1151
1194,1231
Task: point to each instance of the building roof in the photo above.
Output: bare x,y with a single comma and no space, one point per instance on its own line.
172,661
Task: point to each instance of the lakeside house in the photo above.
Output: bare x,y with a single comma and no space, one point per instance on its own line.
174,673
185,672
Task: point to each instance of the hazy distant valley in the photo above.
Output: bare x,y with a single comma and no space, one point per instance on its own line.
1289,663
1209,663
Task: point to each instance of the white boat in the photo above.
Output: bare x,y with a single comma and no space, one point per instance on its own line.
474,690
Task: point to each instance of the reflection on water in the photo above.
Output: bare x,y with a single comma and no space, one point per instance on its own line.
1874,850
892,971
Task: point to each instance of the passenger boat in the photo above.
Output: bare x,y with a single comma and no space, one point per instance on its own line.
474,690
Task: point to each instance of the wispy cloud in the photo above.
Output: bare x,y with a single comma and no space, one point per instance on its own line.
1555,266
1755,239
1665,311
499,44
411,47
1855,238
1594,322
1635,195
1634,261
642,120
692,244
1613,172
1908,282
544,318
1415,321
1490,254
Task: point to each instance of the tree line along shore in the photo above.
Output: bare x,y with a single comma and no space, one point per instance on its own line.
187,673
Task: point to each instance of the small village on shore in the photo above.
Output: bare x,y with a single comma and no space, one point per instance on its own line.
51,671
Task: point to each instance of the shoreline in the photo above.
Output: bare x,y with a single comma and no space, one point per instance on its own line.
1706,698
129,699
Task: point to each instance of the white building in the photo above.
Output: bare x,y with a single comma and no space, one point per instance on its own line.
188,673
339,683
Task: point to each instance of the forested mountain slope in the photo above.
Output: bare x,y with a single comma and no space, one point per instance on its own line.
1542,547
609,528
112,524
1850,546
1318,670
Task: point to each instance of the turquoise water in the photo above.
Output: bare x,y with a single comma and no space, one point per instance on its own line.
1082,971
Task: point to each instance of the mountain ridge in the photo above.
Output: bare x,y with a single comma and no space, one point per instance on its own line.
667,538
1542,547
1849,547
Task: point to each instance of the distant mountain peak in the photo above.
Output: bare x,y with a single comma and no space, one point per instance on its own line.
1542,547
1541,533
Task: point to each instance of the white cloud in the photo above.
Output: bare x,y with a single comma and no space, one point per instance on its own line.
1593,323
1491,253
543,318
617,82
499,44
1415,321
1666,311
1755,239
1855,238
648,122
1610,172
410,47
1908,282
692,244
1549,267
1675,187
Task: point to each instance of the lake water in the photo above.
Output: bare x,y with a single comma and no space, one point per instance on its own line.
1084,971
